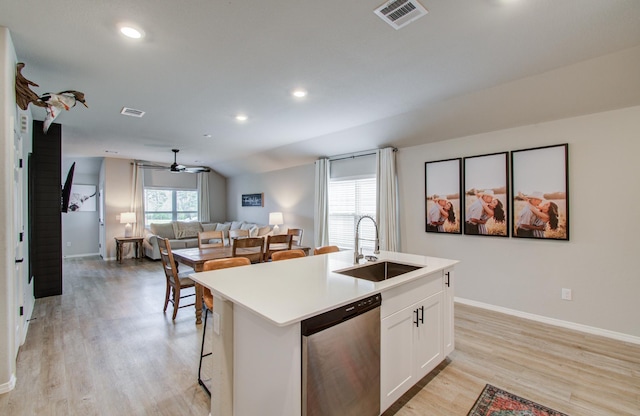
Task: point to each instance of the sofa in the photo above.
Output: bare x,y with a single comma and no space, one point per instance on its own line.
184,234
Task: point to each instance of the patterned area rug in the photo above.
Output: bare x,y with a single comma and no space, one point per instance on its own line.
496,402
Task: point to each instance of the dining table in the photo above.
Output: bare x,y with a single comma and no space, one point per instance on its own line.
196,257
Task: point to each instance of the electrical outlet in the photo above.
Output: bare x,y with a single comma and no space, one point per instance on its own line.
68,243
566,294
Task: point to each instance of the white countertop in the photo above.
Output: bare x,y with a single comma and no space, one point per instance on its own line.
288,291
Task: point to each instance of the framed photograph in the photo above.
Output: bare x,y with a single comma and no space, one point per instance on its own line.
82,198
486,195
442,196
540,189
253,200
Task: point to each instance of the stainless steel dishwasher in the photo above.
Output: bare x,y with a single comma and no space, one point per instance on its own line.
341,361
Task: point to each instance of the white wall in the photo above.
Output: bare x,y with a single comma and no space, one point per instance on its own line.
117,196
80,235
290,191
599,263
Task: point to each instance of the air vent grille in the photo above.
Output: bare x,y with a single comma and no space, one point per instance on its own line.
132,112
400,13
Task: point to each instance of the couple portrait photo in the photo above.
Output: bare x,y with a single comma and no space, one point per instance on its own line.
485,194
540,187
532,200
442,196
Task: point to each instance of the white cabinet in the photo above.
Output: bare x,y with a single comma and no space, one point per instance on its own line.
412,338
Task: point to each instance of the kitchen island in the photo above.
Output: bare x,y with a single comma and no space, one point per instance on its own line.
258,310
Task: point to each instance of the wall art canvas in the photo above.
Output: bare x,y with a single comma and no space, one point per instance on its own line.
540,189
252,200
82,198
486,195
442,196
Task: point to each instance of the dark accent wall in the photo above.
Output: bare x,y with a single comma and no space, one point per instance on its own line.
45,220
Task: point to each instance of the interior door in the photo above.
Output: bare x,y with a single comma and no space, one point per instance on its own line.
20,278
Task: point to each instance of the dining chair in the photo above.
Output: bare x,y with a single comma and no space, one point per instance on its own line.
246,244
325,250
275,243
175,282
235,234
287,254
207,301
297,235
205,237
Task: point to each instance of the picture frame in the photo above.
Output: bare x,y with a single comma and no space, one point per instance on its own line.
442,196
540,192
82,198
486,195
253,200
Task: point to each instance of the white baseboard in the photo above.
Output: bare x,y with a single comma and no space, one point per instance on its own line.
552,321
9,385
81,255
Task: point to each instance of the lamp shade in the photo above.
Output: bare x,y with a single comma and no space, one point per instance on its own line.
127,217
275,218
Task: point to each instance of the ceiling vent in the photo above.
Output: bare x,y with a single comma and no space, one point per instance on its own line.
131,112
400,13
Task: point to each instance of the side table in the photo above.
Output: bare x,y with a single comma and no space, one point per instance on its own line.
121,241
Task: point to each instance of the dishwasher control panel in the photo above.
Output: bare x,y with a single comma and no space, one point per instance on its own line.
327,319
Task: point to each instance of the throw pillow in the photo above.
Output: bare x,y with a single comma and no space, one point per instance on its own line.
235,225
188,229
263,230
224,228
210,226
163,230
252,228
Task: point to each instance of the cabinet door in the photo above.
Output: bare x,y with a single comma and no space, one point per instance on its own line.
449,326
396,356
427,335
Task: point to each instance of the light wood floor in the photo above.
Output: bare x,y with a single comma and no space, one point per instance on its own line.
105,348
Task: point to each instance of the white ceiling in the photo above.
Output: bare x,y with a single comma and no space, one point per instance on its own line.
203,61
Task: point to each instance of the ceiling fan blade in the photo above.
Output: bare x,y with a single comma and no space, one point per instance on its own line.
175,167
197,169
151,166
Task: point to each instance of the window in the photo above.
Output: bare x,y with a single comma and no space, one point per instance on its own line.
166,205
348,200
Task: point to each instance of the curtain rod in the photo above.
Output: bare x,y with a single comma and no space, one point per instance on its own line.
355,155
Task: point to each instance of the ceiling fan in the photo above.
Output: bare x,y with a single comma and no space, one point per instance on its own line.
175,167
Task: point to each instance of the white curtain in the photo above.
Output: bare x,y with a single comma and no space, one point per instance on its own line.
321,211
203,197
387,204
137,203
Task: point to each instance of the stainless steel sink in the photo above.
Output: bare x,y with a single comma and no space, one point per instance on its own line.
377,272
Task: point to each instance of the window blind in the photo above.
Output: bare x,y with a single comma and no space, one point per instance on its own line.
348,200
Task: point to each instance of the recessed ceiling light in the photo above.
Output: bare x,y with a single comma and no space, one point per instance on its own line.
131,32
207,135
299,93
241,117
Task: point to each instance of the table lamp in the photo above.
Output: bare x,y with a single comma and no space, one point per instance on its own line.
275,219
127,218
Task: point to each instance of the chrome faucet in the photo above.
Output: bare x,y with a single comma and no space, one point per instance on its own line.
357,256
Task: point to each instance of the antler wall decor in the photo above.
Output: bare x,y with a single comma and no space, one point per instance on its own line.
24,95
53,103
